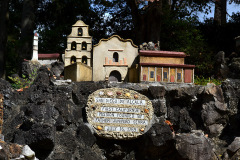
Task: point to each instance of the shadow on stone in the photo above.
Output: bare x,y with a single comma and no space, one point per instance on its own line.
42,148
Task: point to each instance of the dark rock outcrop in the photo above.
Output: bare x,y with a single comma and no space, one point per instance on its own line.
57,68
221,67
233,150
235,67
29,67
15,152
51,119
194,146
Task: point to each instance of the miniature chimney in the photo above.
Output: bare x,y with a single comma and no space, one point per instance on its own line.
35,47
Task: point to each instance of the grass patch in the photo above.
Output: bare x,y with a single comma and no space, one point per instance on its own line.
200,80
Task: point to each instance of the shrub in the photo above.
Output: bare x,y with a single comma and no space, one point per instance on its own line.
23,82
204,81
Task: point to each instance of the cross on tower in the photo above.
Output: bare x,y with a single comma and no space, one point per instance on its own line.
79,17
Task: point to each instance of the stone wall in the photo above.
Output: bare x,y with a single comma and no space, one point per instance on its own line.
191,122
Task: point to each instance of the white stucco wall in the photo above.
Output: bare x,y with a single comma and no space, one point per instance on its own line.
46,61
106,48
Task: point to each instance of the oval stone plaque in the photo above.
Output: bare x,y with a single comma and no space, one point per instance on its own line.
119,113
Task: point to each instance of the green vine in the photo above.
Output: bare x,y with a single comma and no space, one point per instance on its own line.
23,82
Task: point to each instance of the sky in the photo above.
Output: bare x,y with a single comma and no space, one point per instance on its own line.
230,9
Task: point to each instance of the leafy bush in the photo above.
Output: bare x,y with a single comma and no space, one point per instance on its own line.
204,81
23,82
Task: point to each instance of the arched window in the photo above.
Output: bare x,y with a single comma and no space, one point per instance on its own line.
74,46
80,32
84,59
84,46
73,59
115,57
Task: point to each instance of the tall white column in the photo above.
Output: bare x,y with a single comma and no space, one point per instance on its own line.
35,47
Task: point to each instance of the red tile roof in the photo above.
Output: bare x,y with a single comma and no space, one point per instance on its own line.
161,53
48,55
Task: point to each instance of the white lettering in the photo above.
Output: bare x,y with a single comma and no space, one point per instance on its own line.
121,121
120,101
118,109
120,115
120,129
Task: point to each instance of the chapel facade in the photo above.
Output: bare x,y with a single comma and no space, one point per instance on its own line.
113,59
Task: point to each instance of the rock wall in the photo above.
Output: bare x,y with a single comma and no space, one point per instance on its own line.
191,122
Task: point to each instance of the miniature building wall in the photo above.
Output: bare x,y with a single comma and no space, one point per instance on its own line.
78,72
79,45
112,58
45,59
134,74
165,66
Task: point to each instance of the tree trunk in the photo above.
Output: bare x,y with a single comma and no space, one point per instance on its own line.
3,34
152,22
27,28
146,25
220,12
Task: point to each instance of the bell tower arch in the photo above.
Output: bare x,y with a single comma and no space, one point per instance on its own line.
79,44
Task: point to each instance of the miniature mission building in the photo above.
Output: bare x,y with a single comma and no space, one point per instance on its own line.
117,59
165,66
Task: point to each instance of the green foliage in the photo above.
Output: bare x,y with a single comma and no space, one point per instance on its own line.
180,28
54,20
204,81
23,82
185,35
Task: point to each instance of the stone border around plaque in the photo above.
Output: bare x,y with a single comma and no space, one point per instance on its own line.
119,113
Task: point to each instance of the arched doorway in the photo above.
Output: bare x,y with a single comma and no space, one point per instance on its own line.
115,76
